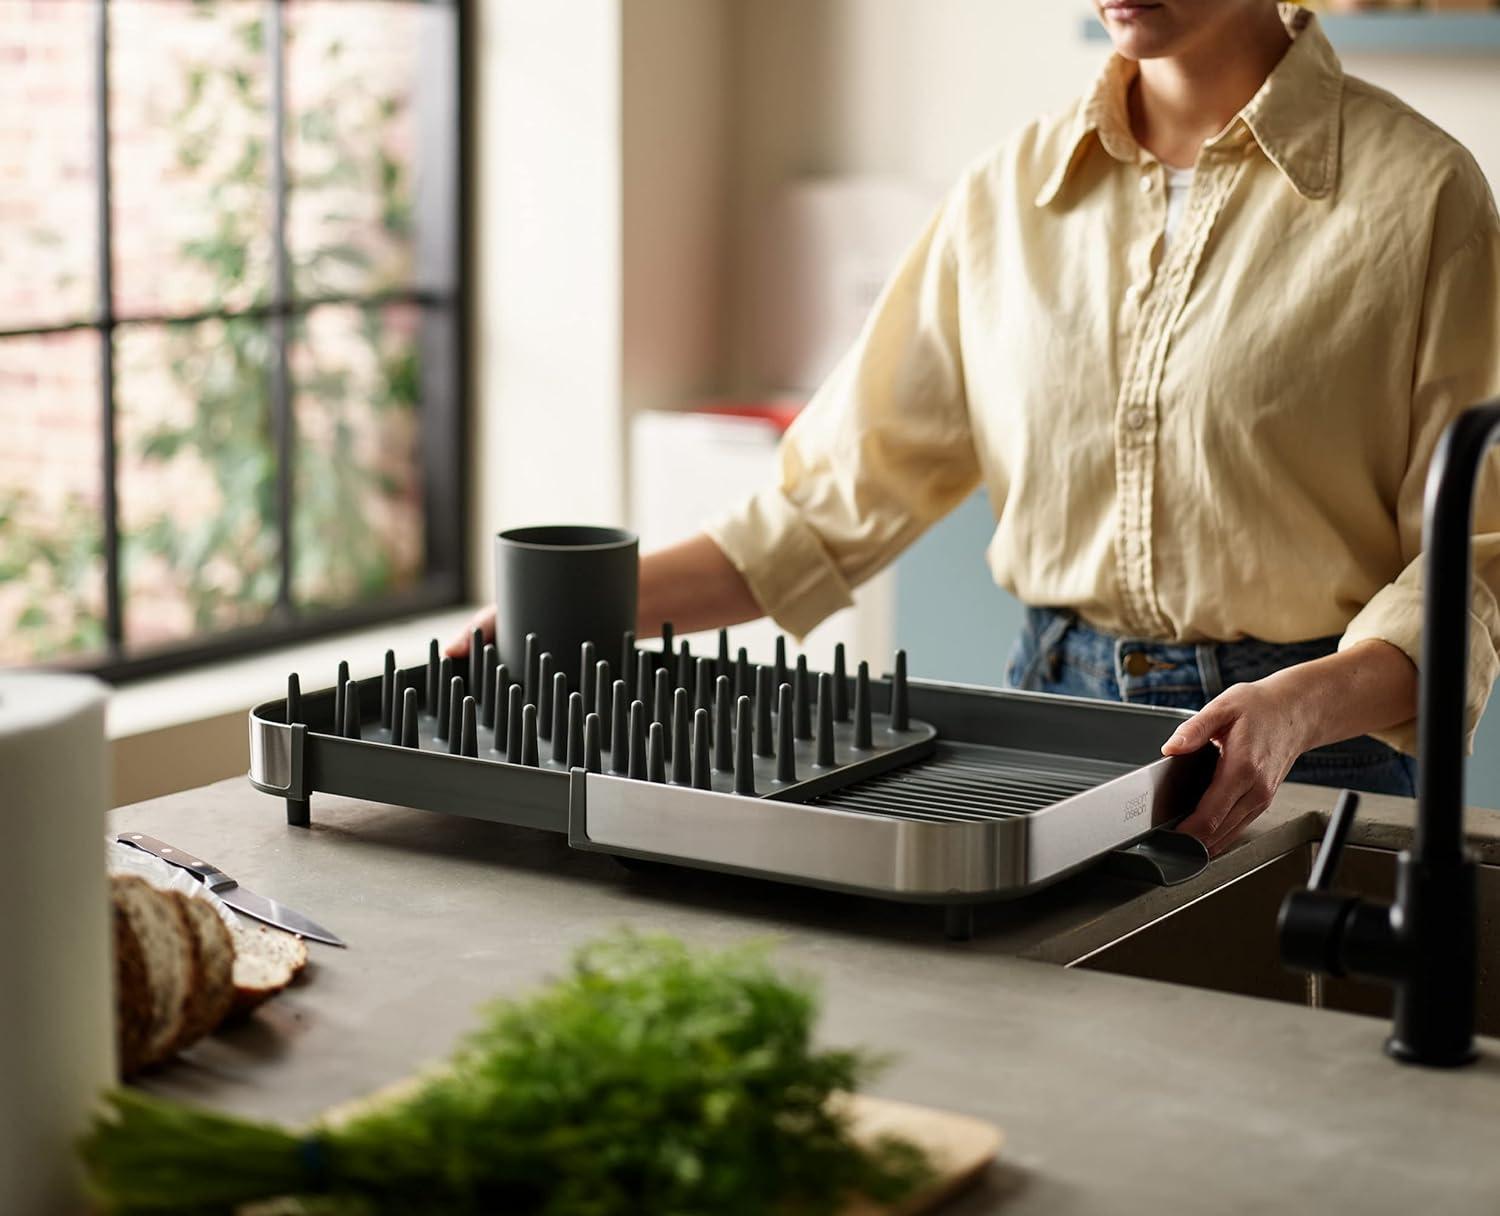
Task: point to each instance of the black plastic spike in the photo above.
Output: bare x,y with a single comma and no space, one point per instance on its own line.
338,697
863,726
574,753
515,701
765,702
684,665
409,716
434,660
619,729
586,673
643,670
824,757
388,690
593,758
840,685
351,710
744,761
559,730
491,662
637,768
723,661
530,671
780,666
293,699
656,761
545,673
662,705
468,733
443,705
703,692
900,715
398,706
682,738
701,779
723,726
666,642
786,750
501,723
475,677
627,662
742,685
603,689
454,715
530,754
802,699
490,695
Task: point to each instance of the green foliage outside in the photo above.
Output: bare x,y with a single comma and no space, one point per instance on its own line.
225,368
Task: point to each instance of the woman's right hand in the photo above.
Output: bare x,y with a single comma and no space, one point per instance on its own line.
484,621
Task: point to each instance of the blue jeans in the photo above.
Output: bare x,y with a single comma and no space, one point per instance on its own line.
1058,653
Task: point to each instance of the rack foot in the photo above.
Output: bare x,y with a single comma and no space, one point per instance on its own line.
299,812
958,922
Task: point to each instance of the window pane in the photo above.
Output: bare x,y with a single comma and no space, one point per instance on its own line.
190,155
358,486
197,478
48,245
371,133
51,529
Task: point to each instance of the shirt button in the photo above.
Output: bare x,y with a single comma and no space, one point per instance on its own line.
1136,419
1145,183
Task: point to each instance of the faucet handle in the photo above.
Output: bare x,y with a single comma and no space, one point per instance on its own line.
1312,922
1331,851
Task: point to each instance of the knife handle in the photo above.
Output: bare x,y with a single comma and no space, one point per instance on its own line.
213,877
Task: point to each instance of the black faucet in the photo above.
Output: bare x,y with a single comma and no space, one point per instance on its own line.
1425,944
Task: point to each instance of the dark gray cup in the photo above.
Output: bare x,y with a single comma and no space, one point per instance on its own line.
568,584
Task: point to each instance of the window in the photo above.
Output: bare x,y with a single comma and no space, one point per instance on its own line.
231,323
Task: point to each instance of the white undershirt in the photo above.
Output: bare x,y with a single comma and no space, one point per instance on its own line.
1179,183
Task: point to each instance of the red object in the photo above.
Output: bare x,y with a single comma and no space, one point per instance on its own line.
779,413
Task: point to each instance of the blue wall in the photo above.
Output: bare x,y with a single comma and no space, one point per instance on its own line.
957,625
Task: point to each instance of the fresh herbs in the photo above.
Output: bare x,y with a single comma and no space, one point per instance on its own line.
652,1078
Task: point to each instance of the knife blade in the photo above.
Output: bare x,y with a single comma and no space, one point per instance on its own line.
237,897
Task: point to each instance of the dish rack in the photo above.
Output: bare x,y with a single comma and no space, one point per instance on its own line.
913,790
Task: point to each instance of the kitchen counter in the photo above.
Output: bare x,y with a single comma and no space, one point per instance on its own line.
1117,1095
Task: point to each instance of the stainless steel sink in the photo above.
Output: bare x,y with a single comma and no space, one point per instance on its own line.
1226,940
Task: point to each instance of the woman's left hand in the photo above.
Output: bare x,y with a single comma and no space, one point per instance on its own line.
1261,728
1259,736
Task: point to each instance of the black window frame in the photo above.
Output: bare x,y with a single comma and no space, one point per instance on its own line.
444,373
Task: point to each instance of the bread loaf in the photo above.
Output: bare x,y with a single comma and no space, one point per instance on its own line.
156,941
213,995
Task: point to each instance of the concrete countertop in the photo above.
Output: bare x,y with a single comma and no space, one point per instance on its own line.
1117,1095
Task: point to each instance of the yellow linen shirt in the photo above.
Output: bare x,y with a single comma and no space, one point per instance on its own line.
1222,439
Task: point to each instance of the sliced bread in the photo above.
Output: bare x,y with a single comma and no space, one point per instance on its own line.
266,960
164,943
213,996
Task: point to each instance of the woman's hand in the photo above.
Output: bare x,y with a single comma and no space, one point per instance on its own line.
1259,737
1261,728
484,621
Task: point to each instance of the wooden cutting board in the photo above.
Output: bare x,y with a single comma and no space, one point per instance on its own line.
959,1147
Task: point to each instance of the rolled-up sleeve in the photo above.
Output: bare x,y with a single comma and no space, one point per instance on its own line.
1457,366
883,450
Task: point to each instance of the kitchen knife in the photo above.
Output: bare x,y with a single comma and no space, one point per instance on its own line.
236,896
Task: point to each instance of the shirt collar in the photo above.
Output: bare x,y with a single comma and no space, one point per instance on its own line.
1294,116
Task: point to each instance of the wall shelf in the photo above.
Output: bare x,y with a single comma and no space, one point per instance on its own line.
1390,33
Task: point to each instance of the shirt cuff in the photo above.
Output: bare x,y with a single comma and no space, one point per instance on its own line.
1394,615
783,562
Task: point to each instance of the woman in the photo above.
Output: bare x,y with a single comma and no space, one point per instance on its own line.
1198,337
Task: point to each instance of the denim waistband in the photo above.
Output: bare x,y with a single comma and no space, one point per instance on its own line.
1138,667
